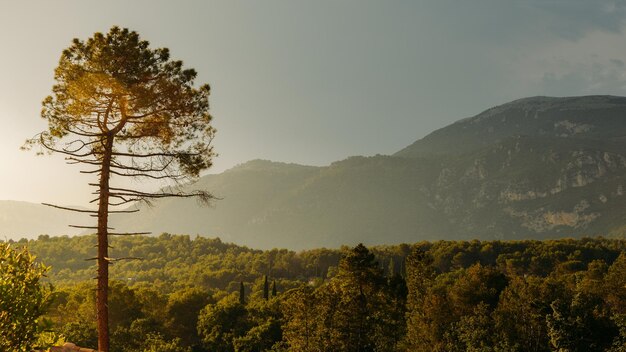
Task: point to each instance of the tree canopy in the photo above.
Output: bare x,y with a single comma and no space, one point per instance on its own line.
115,86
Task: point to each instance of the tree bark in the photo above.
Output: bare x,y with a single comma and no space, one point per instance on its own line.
102,292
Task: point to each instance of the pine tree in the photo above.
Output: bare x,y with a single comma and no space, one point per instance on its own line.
122,109
420,275
357,308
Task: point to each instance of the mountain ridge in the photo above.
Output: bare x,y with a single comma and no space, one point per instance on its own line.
546,116
533,168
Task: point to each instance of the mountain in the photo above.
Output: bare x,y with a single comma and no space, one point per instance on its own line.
267,204
29,220
533,168
588,117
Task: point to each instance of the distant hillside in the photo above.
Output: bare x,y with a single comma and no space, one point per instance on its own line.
266,204
534,168
29,220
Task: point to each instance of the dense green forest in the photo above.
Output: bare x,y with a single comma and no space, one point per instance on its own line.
201,294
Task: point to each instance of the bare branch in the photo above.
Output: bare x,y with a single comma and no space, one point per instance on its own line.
117,212
142,169
111,260
150,155
82,145
148,175
70,209
88,227
78,161
124,202
130,192
62,151
129,233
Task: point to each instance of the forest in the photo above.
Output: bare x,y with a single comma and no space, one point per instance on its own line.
179,293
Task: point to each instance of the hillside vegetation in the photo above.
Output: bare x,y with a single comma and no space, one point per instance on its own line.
203,294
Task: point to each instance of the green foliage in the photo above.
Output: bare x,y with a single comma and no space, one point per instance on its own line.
242,293
80,333
619,343
182,311
420,277
473,332
615,283
157,343
144,335
124,307
115,85
520,317
303,318
265,326
530,300
221,324
577,325
458,296
266,288
23,299
355,311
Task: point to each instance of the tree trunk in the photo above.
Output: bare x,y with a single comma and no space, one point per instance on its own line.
102,307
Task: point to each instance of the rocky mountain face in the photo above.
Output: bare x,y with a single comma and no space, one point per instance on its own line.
588,117
534,168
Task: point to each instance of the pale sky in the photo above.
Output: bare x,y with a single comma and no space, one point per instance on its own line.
313,82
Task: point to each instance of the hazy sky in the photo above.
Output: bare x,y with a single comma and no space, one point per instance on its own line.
312,82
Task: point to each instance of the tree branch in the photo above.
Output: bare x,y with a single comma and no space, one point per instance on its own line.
70,209
88,227
129,233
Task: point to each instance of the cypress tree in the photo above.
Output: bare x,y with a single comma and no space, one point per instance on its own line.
242,293
274,293
266,289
